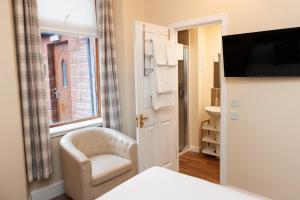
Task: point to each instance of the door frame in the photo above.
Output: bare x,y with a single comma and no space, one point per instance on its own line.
186,107
223,19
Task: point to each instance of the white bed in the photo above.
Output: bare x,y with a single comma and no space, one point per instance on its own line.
161,184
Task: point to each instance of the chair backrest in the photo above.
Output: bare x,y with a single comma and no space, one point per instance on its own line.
93,141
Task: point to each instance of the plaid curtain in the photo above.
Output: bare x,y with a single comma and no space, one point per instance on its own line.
110,103
32,90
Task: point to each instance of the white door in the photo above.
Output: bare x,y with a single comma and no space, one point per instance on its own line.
158,137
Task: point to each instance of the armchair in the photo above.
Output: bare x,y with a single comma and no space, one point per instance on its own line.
95,160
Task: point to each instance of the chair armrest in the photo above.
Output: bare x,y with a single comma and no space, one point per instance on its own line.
77,169
128,150
73,152
124,146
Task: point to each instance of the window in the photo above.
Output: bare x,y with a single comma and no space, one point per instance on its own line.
71,60
71,78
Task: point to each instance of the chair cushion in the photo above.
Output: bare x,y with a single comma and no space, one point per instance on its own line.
108,166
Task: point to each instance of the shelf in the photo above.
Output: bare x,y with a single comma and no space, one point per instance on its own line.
210,128
211,139
210,150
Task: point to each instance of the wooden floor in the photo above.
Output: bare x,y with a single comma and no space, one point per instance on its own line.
193,164
200,165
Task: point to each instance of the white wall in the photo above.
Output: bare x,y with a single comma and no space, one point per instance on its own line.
126,12
193,87
12,168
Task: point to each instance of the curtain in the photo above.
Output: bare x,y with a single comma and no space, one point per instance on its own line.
32,90
110,102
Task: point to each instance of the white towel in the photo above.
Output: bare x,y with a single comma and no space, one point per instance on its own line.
165,78
160,101
159,50
172,54
163,101
179,51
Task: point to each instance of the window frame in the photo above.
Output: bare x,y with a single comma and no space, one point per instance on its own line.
97,79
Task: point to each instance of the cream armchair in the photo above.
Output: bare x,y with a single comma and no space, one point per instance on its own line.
94,160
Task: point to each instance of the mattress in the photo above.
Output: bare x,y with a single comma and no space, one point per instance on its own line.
162,184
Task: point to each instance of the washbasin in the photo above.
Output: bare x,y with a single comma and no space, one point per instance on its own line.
213,111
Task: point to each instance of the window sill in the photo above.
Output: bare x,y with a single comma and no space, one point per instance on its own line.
62,130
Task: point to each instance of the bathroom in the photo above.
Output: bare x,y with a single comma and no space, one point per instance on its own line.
199,101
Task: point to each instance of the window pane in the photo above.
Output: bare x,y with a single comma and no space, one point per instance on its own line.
70,77
64,73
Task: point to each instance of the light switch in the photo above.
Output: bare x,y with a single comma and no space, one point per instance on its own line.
234,115
201,66
235,103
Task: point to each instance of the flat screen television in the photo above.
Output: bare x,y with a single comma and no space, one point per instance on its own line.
273,53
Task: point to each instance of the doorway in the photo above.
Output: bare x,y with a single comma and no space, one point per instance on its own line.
62,89
214,95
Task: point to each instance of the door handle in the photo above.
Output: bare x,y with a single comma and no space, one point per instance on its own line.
140,120
56,93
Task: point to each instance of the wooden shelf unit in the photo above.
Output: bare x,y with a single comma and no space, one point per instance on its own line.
210,151
209,127
210,139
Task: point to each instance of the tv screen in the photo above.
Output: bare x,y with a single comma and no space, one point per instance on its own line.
269,53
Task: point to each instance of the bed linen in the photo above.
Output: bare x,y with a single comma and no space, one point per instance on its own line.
162,184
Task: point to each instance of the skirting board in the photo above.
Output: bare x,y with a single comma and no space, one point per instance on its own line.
184,151
195,149
48,192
